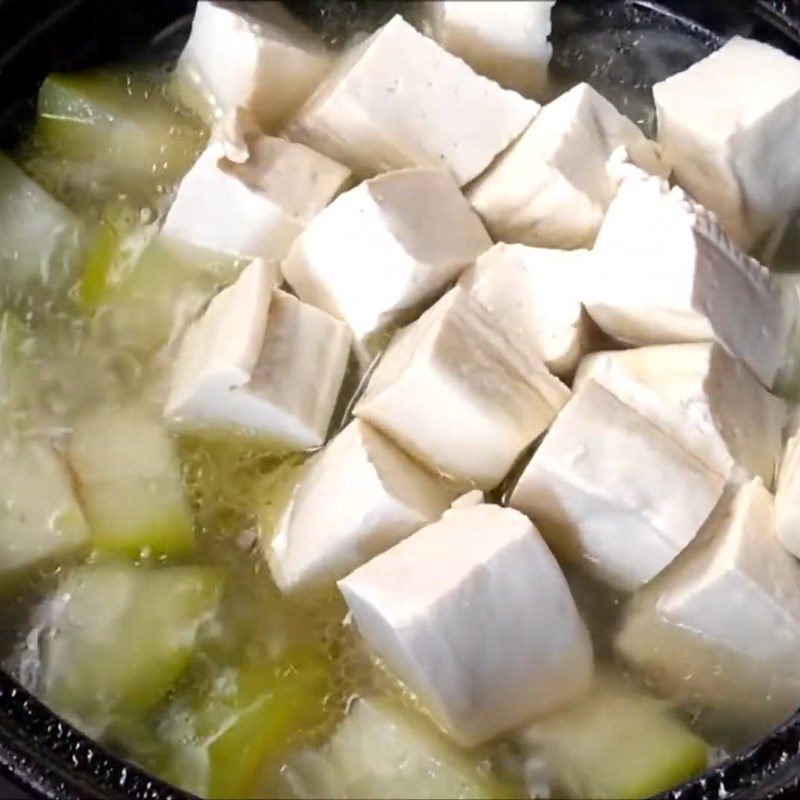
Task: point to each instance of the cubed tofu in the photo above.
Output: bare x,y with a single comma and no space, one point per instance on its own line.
383,250
552,187
475,616
250,195
40,518
730,126
702,397
358,497
506,41
262,363
458,395
787,497
720,629
612,492
534,296
665,273
254,55
399,100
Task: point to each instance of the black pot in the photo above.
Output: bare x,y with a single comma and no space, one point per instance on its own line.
634,42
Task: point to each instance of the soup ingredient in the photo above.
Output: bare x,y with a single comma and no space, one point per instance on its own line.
250,195
505,41
261,362
474,614
382,251
117,637
380,109
534,297
12,361
729,124
612,492
616,742
40,239
358,497
552,187
721,627
40,519
456,394
130,482
702,397
254,55
787,498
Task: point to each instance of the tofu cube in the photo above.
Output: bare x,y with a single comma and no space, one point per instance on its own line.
399,100
552,187
612,492
702,397
787,497
665,273
385,249
459,396
250,195
262,363
720,629
474,614
254,55
534,296
358,497
730,126
505,41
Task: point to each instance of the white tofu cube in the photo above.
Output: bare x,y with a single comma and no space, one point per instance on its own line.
399,100
261,362
702,397
250,195
613,493
720,628
358,497
254,55
664,273
730,126
506,41
534,297
383,250
474,614
787,498
455,393
552,187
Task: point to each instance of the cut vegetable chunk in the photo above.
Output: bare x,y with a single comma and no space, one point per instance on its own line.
254,55
475,615
261,362
380,109
552,187
357,498
612,492
534,296
130,482
118,637
506,41
721,627
456,394
615,743
730,125
250,195
40,518
787,497
702,397
384,249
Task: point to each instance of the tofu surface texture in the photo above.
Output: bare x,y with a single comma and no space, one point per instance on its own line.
385,249
505,41
358,497
474,614
250,54
730,126
787,497
612,492
261,362
458,395
552,187
400,100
